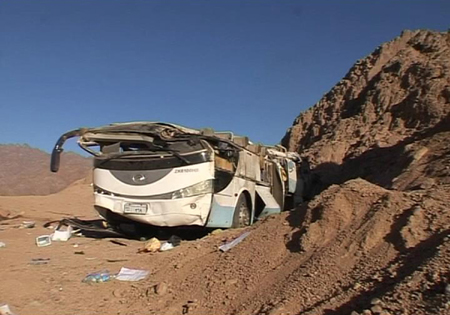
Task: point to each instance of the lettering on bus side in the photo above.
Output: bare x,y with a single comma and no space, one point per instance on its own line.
187,170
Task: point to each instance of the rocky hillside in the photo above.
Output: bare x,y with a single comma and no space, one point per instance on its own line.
391,109
387,122
26,171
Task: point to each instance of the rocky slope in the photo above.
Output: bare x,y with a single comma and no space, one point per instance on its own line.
382,115
26,171
387,121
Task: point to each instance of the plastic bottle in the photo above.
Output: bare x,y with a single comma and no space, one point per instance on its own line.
96,277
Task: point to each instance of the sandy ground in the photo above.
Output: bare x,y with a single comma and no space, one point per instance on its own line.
354,247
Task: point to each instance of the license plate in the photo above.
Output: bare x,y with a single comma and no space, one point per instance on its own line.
135,208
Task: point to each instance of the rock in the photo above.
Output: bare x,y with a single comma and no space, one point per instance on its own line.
231,282
447,290
216,231
354,313
367,312
376,309
375,301
177,266
161,288
277,310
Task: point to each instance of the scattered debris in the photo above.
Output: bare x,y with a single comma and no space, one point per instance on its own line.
127,274
96,277
2,245
191,304
5,310
116,260
43,240
166,246
152,245
233,243
39,261
62,235
118,243
174,240
86,227
28,225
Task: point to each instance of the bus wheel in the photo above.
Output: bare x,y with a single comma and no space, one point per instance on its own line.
241,216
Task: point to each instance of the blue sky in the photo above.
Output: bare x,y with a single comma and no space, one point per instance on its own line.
246,66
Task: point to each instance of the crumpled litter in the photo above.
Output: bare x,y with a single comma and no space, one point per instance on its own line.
43,240
152,246
62,236
166,246
126,274
5,310
95,277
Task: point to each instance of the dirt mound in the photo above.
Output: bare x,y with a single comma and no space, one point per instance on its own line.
387,121
26,171
391,105
354,247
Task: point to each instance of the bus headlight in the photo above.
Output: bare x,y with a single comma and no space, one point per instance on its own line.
205,187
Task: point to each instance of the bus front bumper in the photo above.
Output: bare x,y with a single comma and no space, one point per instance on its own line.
174,212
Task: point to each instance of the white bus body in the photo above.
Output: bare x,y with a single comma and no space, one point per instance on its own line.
168,175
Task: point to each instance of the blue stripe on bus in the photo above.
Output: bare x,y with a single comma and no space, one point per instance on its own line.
220,216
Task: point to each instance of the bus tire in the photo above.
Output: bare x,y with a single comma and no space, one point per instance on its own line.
242,214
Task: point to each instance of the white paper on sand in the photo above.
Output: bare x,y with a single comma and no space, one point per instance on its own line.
126,274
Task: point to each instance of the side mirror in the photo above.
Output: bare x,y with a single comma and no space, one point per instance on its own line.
55,159
56,153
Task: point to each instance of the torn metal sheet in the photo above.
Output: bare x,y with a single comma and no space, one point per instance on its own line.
233,243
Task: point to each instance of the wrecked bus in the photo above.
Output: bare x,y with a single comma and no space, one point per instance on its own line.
168,175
